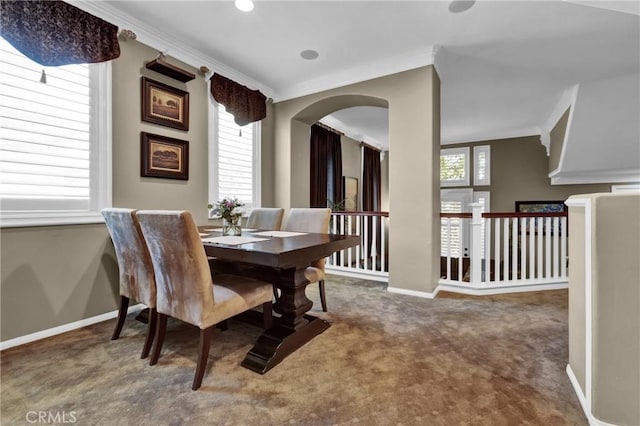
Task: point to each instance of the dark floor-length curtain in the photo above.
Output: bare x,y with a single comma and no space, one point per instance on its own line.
371,185
325,168
371,195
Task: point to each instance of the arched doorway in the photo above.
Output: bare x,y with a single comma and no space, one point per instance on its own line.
413,101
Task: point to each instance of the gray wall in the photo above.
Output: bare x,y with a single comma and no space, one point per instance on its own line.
614,311
519,172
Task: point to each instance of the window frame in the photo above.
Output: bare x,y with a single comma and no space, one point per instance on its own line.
100,163
213,189
466,181
486,149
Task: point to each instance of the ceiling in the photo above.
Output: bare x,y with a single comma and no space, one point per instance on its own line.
503,64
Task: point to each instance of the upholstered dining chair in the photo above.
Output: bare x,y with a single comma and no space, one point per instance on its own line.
314,220
186,289
267,218
137,280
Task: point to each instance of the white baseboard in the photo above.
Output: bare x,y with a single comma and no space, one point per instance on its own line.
475,291
479,291
64,328
583,402
415,293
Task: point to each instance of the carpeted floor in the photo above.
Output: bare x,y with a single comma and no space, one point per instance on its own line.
388,359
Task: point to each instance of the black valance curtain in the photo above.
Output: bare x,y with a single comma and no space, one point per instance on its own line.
325,168
245,104
371,186
54,33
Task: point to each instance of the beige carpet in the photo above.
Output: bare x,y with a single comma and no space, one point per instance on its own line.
388,359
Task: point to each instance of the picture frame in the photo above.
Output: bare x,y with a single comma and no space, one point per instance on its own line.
554,206
163,157
164,105
350,192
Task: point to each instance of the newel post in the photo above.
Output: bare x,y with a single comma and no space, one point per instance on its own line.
476,244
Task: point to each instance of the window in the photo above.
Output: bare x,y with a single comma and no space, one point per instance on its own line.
234,159
55,159
484,198
454,232
482,165
454,167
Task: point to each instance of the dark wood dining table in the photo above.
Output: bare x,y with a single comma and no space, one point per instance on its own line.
282,261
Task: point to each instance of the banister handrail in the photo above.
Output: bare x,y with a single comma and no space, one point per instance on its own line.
465,215
341,213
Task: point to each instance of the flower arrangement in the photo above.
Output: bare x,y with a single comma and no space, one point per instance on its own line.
227,208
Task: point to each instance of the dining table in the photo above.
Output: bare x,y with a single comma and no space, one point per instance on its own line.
281,258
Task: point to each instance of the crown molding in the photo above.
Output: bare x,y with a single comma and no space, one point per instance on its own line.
168,44
559,177
523,132
370,70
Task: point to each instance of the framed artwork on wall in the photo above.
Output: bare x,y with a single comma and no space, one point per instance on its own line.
163,157
350,191
164,105
556,206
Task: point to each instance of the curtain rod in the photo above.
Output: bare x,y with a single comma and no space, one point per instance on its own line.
329,128
370,146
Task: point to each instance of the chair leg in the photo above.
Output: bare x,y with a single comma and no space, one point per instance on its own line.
323,296
205,343
275,293
267,315
122,314
161,328
151,332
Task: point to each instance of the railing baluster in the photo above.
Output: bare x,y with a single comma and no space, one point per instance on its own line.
358,249
505,246
523,248
365,242
547,246
539,240
514,249
383,249
556,237
497,264
563,246
487,251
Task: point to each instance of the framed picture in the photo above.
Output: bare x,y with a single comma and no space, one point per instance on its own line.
556,206
350,188
163,157
164,105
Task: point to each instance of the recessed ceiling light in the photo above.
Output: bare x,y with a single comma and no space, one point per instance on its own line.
309,54
459,6
244,5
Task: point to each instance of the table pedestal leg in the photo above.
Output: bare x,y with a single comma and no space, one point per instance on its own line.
292,330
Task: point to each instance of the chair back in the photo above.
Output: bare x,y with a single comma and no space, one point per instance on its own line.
137,280
309,220
183,277
266,218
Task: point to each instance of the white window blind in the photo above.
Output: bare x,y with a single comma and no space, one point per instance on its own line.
453,232
454,167
236,155
51,156
482,165
484,198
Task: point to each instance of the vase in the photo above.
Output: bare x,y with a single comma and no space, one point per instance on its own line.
231,226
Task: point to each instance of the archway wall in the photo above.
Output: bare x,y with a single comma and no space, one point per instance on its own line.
413,99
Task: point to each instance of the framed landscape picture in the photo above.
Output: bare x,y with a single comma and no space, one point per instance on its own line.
163,157
164,105
555,206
